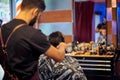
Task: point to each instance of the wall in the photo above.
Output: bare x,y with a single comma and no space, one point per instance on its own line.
52,5
57,17
101,9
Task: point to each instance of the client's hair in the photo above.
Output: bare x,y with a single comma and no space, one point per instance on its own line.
55,38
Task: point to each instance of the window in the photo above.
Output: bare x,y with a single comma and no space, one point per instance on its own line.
5,10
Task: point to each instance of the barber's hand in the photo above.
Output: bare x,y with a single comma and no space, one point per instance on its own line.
62,45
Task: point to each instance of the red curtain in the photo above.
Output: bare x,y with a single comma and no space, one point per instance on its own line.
83,20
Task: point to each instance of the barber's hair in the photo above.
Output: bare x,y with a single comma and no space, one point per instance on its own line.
55,38
28,4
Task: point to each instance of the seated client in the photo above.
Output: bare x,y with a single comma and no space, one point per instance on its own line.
69,69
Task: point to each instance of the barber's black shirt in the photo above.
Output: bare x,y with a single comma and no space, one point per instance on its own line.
24,48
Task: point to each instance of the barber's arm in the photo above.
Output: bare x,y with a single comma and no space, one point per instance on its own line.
58,53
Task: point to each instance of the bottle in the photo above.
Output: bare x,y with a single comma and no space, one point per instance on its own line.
100,49
69,48
93,51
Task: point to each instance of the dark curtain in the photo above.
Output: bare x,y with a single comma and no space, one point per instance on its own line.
83,20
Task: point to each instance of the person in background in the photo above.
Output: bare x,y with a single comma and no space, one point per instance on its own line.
103,37
68,69
101,28
27,43
101,25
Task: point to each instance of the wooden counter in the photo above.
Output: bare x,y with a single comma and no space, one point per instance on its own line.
89,55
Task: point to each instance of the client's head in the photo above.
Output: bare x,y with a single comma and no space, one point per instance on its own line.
55,38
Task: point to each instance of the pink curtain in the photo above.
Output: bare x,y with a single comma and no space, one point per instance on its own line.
83,20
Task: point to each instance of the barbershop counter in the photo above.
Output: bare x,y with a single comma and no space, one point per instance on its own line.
95,66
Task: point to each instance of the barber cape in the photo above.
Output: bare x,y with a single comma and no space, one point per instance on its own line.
68,69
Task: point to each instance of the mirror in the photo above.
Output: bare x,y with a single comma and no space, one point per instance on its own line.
88,14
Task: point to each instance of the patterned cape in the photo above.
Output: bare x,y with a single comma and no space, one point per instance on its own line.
68,69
